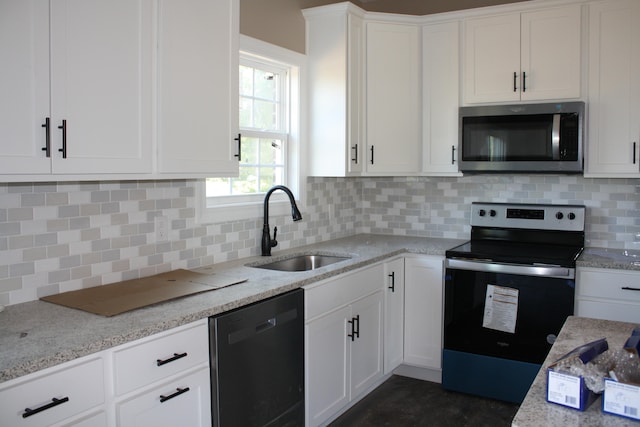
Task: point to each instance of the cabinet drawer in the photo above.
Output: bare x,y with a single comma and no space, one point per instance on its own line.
185,401
609,284
608,310
155,358
333,293
78,386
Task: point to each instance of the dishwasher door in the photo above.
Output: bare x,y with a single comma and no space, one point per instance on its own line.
257,363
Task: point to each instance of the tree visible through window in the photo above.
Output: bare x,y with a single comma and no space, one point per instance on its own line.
264,127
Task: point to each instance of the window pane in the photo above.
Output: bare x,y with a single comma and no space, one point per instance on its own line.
246,81
270,177
270,151
265,115
246,112
266,85
218,187
247,182
250,151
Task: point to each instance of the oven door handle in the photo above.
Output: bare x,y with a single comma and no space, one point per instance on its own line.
525,270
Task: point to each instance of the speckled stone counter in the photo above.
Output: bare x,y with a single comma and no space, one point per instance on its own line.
623,259
535,411
37,335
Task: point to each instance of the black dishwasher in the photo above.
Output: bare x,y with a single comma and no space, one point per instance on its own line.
257,363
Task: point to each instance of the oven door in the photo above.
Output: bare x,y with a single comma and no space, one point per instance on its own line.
499,324
506,311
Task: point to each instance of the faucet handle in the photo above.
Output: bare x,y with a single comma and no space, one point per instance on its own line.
274,242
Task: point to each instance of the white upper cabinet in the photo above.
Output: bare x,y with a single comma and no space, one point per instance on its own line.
614,89
440,82
82,79
24,86
527,56
393,106
335,51
198,87
100,86
365,99
95,95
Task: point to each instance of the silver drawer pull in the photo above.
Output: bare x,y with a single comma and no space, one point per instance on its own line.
54,402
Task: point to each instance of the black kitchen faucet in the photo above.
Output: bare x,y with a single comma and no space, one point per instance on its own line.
267,242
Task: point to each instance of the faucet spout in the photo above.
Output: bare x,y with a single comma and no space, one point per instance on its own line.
267,242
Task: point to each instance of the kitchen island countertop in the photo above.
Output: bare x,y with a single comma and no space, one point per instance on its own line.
37,334
536,411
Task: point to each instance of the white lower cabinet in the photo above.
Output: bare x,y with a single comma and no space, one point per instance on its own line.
184,401
160,380
393,313
343,341
608,294
163,380
423,311
56,395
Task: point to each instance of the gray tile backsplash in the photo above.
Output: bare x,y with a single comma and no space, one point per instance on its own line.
56,237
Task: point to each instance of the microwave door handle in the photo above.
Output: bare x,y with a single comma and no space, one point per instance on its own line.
555,137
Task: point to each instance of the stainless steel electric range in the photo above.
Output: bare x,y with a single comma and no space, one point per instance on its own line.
508,292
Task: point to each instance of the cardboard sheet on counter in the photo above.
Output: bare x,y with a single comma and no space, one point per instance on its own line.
117,298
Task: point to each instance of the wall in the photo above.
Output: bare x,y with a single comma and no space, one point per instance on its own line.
56,237
280,21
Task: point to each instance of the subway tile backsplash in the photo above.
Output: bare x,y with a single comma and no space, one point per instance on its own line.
56,237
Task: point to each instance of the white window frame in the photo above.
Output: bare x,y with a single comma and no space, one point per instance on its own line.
241,207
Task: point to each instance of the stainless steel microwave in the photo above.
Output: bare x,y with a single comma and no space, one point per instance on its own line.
536,138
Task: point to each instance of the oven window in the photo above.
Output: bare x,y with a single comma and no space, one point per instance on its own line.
507,138
543,305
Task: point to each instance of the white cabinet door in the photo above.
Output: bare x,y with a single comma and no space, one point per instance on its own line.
492,59
366,347
101,55
614,89
393,117
393,314
198,87
440,82
335,52
24,86
183,402
327,365
529,56
550,59
423,311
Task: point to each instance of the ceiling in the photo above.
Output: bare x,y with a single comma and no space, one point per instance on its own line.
411,7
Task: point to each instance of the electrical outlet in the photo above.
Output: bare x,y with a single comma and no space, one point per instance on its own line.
162,228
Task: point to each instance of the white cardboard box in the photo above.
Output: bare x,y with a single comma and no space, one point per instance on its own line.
621,399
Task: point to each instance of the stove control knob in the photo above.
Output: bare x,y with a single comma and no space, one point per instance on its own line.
559,215
572,216
482,212
492,212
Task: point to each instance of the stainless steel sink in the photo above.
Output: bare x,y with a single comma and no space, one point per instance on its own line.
302,262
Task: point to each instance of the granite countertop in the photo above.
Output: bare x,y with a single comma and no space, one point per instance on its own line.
623,259
536,411
37,335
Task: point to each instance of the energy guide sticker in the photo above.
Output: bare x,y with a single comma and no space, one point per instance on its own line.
500,308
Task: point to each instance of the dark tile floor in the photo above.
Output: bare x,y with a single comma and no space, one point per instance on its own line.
402,401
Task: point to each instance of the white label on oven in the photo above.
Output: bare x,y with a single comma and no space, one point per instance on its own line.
500,308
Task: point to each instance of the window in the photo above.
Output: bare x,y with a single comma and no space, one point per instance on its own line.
269,121
264,128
